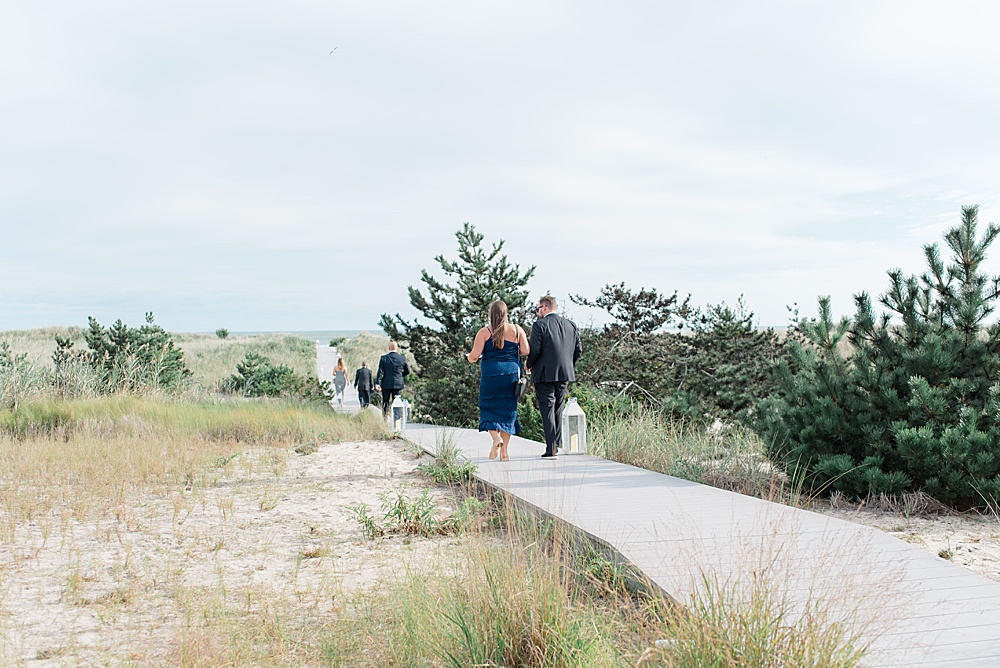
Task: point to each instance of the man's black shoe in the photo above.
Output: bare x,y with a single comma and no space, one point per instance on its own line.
548,455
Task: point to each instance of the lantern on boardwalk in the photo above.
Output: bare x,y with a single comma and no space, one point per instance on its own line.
574,429
397,416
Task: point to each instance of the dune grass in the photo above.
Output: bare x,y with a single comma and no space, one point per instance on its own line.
730,457
513,590
39,344
91,455
210,358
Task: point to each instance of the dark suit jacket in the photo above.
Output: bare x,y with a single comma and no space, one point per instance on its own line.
363,379
555,348
391,369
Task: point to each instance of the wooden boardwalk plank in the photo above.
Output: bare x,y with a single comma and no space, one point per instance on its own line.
929,611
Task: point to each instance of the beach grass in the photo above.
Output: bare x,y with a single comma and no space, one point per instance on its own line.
210,358
729,456
91,455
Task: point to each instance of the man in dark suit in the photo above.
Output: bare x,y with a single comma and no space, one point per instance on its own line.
392,368
555,348
364,384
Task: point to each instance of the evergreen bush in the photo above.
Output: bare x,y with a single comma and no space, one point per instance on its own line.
126,359
447,388
721,367
258,376
905,400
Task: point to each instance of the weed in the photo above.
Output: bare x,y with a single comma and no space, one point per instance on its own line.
369,525
415,517
467,516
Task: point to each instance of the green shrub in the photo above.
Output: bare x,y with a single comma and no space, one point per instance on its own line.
721,367
222,333
257,376
908,405
128,359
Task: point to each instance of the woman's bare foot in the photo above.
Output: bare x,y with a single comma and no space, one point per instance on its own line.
495,448
503,453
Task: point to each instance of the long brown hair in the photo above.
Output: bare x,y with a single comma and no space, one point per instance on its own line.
340,365
498,322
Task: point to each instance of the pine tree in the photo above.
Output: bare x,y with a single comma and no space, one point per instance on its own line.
446,391
132,358
914,401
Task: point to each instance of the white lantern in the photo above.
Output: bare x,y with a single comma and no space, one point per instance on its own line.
574,429
397,416
407,411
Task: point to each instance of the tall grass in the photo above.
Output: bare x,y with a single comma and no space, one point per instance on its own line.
210,358
90,455
730,457
771,610
39,344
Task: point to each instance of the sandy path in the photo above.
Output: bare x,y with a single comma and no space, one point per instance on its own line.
117,589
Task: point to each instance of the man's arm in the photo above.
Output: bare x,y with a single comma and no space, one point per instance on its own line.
578,349
378,378
535,343
406,367
357,378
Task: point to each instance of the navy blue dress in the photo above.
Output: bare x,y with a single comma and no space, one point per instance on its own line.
499,370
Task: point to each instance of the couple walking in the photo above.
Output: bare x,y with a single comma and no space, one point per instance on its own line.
552,351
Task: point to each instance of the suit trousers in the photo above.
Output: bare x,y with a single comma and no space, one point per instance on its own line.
364,397
388,394
550,401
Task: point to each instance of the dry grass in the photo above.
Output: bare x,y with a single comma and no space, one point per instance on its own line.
91,456
39,344
155,532
729,457
210,358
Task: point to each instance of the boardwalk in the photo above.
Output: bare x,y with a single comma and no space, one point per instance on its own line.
326,359
926,611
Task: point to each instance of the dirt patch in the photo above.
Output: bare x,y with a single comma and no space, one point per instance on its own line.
123,589
966,539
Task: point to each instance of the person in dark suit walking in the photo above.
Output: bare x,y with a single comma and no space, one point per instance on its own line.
392,368
555,348
364,384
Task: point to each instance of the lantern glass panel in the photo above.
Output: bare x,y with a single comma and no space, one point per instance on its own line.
574,427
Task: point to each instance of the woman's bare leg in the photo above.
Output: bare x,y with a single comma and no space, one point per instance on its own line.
497,442
505,439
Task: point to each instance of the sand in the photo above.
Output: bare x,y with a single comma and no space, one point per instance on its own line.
124,589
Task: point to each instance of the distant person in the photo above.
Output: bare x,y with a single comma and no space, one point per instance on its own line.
392,368
364,384
555,348
340,381
497,348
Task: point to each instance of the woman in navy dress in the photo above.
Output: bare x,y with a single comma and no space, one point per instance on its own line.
497,348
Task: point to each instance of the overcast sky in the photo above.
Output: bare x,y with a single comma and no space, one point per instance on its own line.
213,162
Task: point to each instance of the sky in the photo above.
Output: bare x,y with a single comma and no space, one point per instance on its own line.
215,163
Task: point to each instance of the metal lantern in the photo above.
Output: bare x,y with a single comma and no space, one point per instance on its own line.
407,411
397,416
574,429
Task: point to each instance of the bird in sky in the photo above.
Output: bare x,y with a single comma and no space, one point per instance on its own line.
334,49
